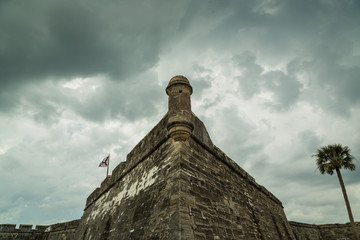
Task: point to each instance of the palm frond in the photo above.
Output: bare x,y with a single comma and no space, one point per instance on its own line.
332,157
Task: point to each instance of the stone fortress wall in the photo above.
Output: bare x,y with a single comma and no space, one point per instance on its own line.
67,230
334,231
176,184
59,231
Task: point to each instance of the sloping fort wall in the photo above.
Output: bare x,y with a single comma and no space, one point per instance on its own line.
142,204
219,202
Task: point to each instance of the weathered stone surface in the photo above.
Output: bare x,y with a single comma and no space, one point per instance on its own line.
200,134
184,190
59,231
180,123
323,231
62,231
118,172
92,197
24,232
141,205
218,202
105,184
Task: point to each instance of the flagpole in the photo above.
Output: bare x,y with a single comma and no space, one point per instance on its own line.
107,170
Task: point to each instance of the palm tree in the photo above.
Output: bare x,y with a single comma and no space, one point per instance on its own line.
333,158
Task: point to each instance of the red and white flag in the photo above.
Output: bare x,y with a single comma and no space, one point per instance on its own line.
105,161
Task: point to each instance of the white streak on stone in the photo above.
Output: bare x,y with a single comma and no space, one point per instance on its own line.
167,159
104,206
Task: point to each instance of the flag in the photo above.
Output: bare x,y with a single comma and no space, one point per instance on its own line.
105,161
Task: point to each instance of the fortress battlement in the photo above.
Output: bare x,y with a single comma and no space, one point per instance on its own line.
11,228
323,231
39,232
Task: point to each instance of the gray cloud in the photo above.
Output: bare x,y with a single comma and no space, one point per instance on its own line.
201,81
285,88
335,87
250,80
46,102
80,38
131,100
234,135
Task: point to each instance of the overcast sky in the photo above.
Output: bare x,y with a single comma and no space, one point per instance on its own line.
273,81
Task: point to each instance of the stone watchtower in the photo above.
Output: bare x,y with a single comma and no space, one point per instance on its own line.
176,184
180,123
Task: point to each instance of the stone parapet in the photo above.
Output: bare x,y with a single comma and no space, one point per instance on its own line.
62,231
92,197
118,172
201,136
7,227
105,183
59,231
11,228
25,227
333,231
63,226
200,133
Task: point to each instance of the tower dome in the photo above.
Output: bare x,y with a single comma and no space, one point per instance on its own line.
179,80
180,123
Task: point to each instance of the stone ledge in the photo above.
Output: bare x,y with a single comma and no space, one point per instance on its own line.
11,228
322,226
118,172
63,226
7,227
25,227
105,183
92,197
41,228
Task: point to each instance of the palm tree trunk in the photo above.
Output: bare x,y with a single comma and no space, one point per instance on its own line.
347,203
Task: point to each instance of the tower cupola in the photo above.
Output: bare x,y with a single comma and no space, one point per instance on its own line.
180,124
